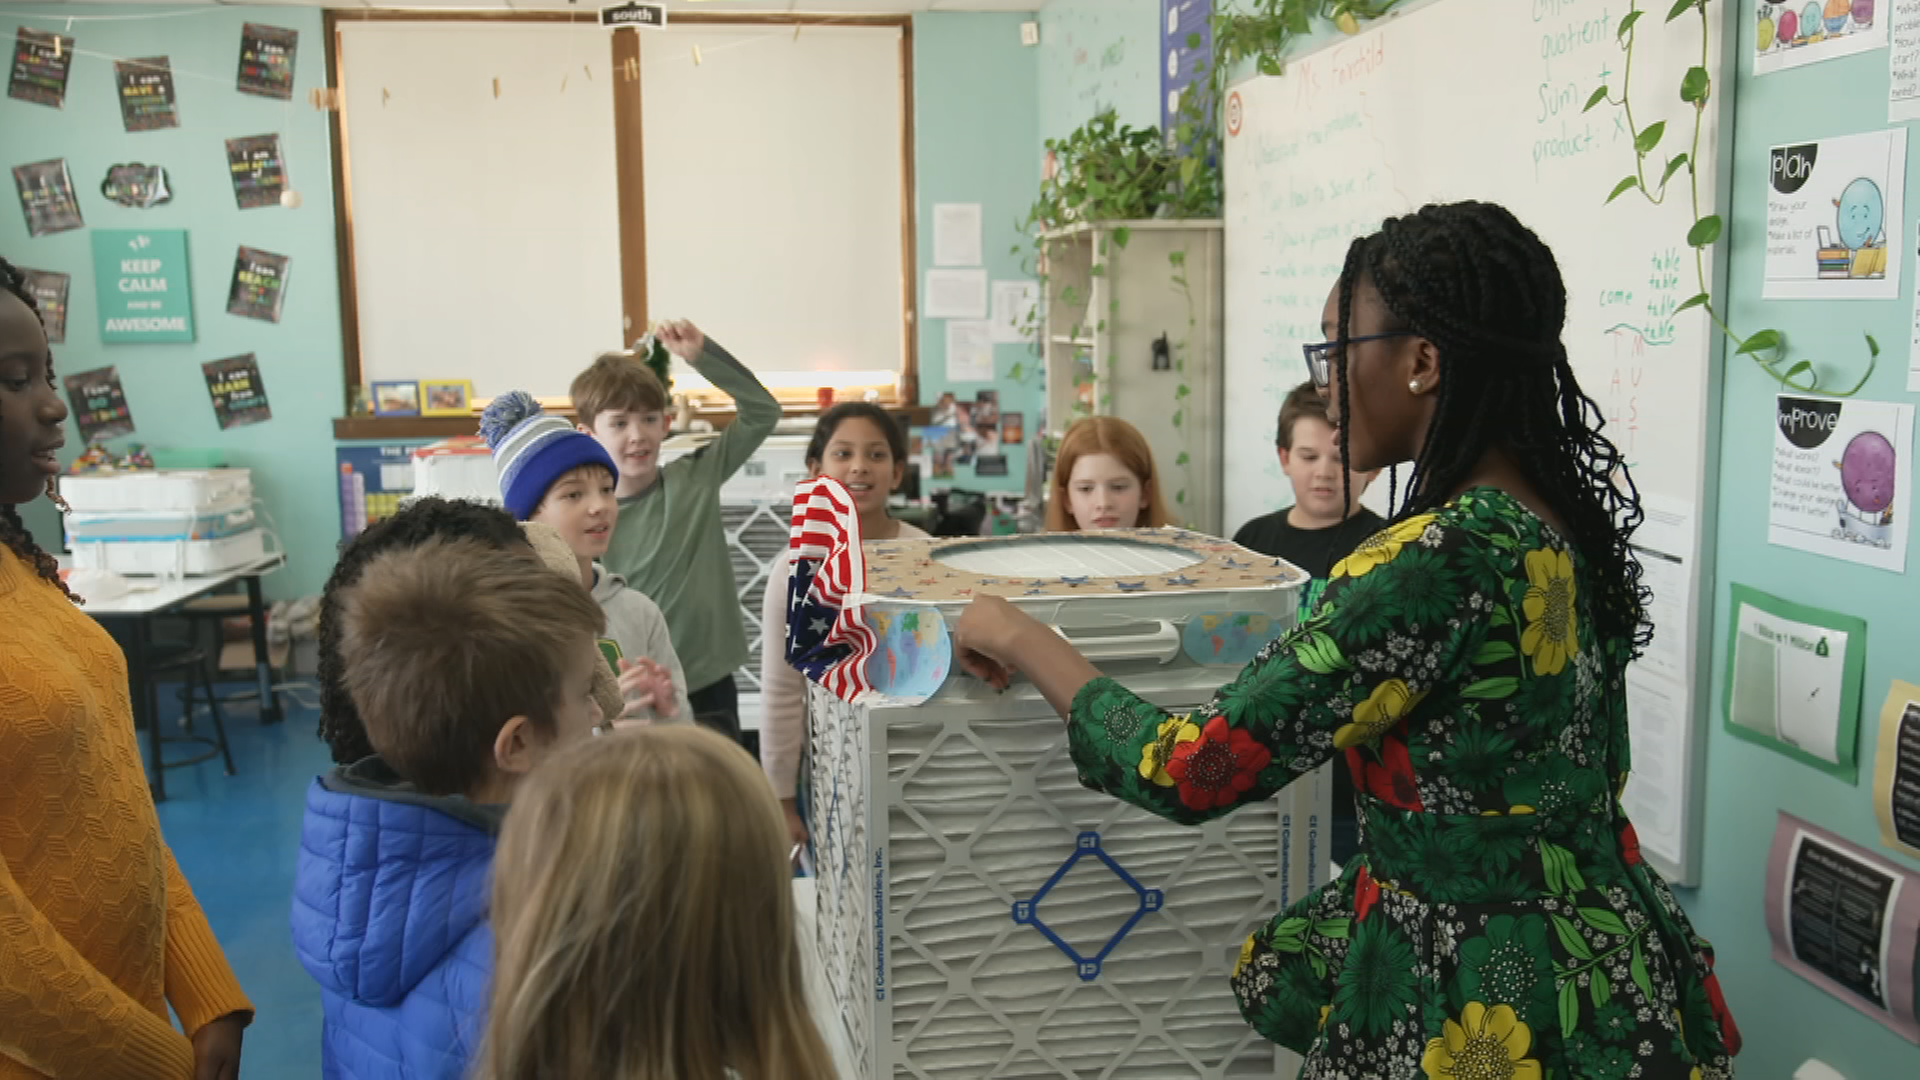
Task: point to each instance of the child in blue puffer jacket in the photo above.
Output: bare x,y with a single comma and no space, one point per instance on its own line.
465,663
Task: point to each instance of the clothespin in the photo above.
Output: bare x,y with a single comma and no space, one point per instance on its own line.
496,87
696,56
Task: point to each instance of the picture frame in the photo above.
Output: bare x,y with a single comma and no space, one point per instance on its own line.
395,398
445,397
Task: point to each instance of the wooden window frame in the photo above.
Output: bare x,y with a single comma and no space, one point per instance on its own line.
629,167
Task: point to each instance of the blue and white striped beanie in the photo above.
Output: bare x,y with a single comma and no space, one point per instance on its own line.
532,449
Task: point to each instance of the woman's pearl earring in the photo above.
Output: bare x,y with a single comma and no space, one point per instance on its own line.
1413,386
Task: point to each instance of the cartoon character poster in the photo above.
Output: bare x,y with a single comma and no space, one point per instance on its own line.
1789,33
1842,479
1833,218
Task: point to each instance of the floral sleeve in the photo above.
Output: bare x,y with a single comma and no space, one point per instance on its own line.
1396,626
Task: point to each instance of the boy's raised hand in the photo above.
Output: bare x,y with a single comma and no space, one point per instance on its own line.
682,338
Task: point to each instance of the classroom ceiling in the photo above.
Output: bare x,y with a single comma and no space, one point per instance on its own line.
780,7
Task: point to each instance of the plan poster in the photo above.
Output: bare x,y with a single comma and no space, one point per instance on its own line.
266,61
1833,218
1845,921
41,63
146,94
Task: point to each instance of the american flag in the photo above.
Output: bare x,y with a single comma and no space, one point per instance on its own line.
826,640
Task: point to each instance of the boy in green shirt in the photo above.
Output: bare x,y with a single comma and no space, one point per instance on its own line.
670,542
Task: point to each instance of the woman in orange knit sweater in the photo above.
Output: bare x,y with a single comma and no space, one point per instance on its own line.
98,930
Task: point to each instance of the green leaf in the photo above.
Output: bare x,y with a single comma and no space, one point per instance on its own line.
1798,369
1569,1007
1680,8
1696,300
1674,165
1491,689
1599,95
1623,187
1319,966
1873,347
1319,654
1181,458
1604,921
1177,417
1500,617
1600,988
1705,231
1626,23
1649,136
1570,938
1765,340
1288,945
1695,86
1333,928
1177,258
1193,41
1638,969
1122,234
1550,866
1189,168
1180,496
1183,390
1493,652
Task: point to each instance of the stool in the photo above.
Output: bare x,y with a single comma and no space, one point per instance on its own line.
216,609
190,663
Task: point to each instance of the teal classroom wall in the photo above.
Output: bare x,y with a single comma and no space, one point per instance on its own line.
1098,54
300,357
1785,1019
976,141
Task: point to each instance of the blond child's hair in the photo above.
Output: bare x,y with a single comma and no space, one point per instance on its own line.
1105,435
643,920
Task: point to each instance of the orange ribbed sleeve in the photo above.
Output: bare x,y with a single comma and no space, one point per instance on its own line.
200,984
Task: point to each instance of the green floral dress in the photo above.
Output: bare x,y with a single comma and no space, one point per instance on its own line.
1499,923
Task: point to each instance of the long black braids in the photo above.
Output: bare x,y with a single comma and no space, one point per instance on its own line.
13,531
1484,289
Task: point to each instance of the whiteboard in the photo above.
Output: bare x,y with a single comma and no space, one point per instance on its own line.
1414,111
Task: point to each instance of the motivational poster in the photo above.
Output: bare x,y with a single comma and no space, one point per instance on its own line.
259,173
146,94
239,397
46,197
49,290
99,404
141,281
42,61
266,61
259,285
1842,479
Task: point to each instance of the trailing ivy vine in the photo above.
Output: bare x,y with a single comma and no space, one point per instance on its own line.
1767,347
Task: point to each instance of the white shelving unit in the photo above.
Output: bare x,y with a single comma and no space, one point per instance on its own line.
1113,293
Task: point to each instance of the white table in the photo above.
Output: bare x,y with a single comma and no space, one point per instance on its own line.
151,597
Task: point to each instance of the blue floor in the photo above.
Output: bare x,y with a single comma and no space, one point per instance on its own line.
236,838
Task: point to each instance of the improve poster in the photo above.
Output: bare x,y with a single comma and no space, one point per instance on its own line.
1833,218
46,197
266,61
239,397
259,172
42,61
146,94
99,404
1896,770
1791,33
1845,921
49,289
1794,682
1842,479
259,287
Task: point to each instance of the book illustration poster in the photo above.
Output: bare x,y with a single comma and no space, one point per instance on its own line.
239,396
99,404
46,197
259,285
266,61
1013,429
41,62
49,290
259,174
146,94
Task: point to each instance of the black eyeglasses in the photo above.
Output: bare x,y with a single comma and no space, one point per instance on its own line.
1320,354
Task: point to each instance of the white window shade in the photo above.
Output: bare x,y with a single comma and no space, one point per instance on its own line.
773,196
485,223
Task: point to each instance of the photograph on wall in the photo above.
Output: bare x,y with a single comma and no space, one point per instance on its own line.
259,173
1791,33
266,61
1794,683
1845,920
46,197
1896,770
146,94
42,60
1013,428
49,289
1833,218
259,288
239,397
99,404
1842,479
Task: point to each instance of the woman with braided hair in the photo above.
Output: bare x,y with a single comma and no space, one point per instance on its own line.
99,932
1469,661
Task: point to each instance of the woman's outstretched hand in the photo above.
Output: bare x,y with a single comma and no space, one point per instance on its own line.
985,639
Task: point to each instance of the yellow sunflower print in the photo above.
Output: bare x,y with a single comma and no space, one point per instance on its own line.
1486,1044
1155,755
1380,548
1389,704
1246,956
1549,636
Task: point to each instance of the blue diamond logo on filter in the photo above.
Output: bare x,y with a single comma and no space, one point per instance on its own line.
1027,912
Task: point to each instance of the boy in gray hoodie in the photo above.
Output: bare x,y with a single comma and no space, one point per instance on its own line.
554,476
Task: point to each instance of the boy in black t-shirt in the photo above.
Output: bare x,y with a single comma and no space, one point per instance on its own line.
1313,534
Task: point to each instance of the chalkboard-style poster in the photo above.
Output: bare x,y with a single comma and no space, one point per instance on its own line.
99,404
41,63
146,94
259,174
49,290
259,285
239,397
46,197
266,61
